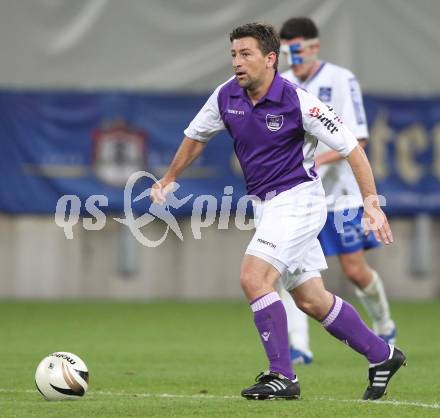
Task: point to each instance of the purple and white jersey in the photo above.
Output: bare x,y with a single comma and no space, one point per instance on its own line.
274,140
337,87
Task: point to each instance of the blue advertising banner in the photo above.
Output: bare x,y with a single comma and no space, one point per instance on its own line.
84,144
404,152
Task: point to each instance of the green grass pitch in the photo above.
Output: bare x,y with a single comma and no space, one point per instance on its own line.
176,359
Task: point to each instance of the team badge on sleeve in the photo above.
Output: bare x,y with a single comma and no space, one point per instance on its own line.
325,94
274,122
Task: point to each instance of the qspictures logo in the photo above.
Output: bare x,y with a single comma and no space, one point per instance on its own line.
205,211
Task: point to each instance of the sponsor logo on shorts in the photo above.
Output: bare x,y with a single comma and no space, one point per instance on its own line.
270,244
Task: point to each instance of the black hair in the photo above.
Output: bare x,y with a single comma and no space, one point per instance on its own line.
265,34
299,27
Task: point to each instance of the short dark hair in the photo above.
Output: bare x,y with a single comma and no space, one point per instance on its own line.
299,27
265,34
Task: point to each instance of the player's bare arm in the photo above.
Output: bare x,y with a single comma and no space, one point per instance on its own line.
188,151
331,156
375,218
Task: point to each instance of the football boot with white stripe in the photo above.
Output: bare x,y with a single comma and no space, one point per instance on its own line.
272,385
380,375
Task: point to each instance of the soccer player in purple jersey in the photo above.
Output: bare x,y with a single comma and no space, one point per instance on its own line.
336,87
275,127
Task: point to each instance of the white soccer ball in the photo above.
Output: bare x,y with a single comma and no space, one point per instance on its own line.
61,376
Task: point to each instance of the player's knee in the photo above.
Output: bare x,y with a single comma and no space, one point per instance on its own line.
316,304
249,282
244,280
355,271
309,305
304,305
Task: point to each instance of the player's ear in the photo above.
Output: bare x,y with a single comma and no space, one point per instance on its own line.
317,47
271,58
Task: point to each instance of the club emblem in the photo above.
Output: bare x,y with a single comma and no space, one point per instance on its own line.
274,122
325,94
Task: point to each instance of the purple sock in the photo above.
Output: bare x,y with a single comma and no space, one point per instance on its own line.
344,323
271,322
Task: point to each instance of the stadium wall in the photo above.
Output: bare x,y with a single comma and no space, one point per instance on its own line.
36,261
183,45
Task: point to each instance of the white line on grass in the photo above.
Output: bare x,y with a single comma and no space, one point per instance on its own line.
207,396
384,401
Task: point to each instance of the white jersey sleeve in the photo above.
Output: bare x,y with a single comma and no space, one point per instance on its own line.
323,123
208,121
353,112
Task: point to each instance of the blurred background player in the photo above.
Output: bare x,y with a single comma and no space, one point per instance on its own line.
337,87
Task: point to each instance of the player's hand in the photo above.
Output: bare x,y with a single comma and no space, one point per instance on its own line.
160,190
374,219
318,162
326,158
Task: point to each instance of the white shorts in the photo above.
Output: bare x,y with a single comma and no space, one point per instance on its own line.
286,233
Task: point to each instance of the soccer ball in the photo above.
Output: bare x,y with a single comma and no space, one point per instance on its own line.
61,376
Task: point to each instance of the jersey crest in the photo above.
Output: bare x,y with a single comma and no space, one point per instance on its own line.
274,122
325,94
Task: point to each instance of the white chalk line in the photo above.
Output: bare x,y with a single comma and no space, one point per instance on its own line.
93,393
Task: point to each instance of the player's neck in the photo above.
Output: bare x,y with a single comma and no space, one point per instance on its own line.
313,69
260,91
